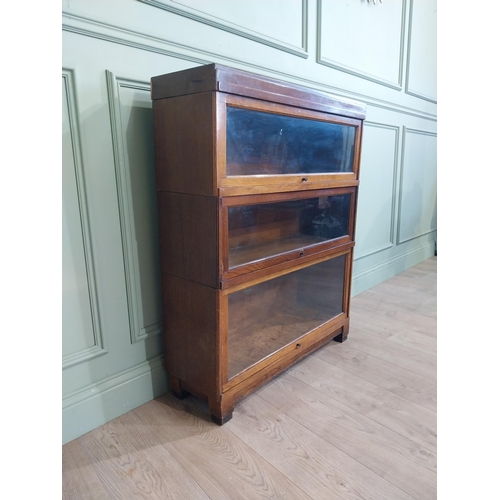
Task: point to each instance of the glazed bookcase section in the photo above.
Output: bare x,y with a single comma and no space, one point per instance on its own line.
270,148
265,230
265,317
225,132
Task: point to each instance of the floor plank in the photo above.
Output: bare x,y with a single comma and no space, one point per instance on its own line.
394,378
415,340
406,464
131,463
383,323
222,464
410,359
405,417
316,465
79,480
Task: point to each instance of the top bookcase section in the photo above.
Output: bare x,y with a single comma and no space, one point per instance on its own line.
249,134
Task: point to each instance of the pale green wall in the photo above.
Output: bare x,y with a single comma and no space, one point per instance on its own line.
382,54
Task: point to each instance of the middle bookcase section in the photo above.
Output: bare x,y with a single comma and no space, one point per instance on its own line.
266,230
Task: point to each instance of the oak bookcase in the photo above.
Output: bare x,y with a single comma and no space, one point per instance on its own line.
257,183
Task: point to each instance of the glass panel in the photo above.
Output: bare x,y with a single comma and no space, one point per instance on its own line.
267,316
260,231
265,143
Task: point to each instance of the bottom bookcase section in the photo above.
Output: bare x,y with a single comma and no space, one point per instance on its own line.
269,315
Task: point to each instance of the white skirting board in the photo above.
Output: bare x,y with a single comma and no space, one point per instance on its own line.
373,276
96,405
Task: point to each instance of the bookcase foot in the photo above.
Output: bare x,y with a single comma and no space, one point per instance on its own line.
221,420
180,395
221,409
175,387
342,336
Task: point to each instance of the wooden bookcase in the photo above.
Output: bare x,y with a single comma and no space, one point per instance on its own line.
257,185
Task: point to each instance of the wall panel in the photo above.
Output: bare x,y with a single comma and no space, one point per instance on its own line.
377,54
377,192
418,189
177,35
81,331
422,57
256,20
363,38
132,128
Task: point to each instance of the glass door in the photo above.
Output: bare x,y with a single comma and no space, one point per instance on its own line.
265,230
273,144
267,316
260,143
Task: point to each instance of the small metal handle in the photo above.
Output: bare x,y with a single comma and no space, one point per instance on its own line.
302,253
304,179
297,346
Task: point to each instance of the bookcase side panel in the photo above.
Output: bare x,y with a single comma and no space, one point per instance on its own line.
190,332
184,146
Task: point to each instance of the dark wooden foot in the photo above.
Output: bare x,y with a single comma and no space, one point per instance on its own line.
223,420
175,387
341,337
221,408
182,394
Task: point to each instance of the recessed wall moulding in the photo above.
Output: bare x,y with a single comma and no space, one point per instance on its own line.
81,339
421,77
131,130
255,20
362,40
418,185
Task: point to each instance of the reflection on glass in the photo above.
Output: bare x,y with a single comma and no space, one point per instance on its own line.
260,231
266,143
268,316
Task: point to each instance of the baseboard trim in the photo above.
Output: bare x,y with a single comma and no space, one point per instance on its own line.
96,405
373,276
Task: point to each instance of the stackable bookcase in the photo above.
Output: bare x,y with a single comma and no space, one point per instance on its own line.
257,184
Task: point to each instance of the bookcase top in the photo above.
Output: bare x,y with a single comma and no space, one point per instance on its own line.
220,78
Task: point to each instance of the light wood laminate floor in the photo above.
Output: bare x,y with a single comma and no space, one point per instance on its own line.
352,421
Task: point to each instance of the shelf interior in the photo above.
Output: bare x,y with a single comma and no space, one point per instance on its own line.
258,231
268,316
246,254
